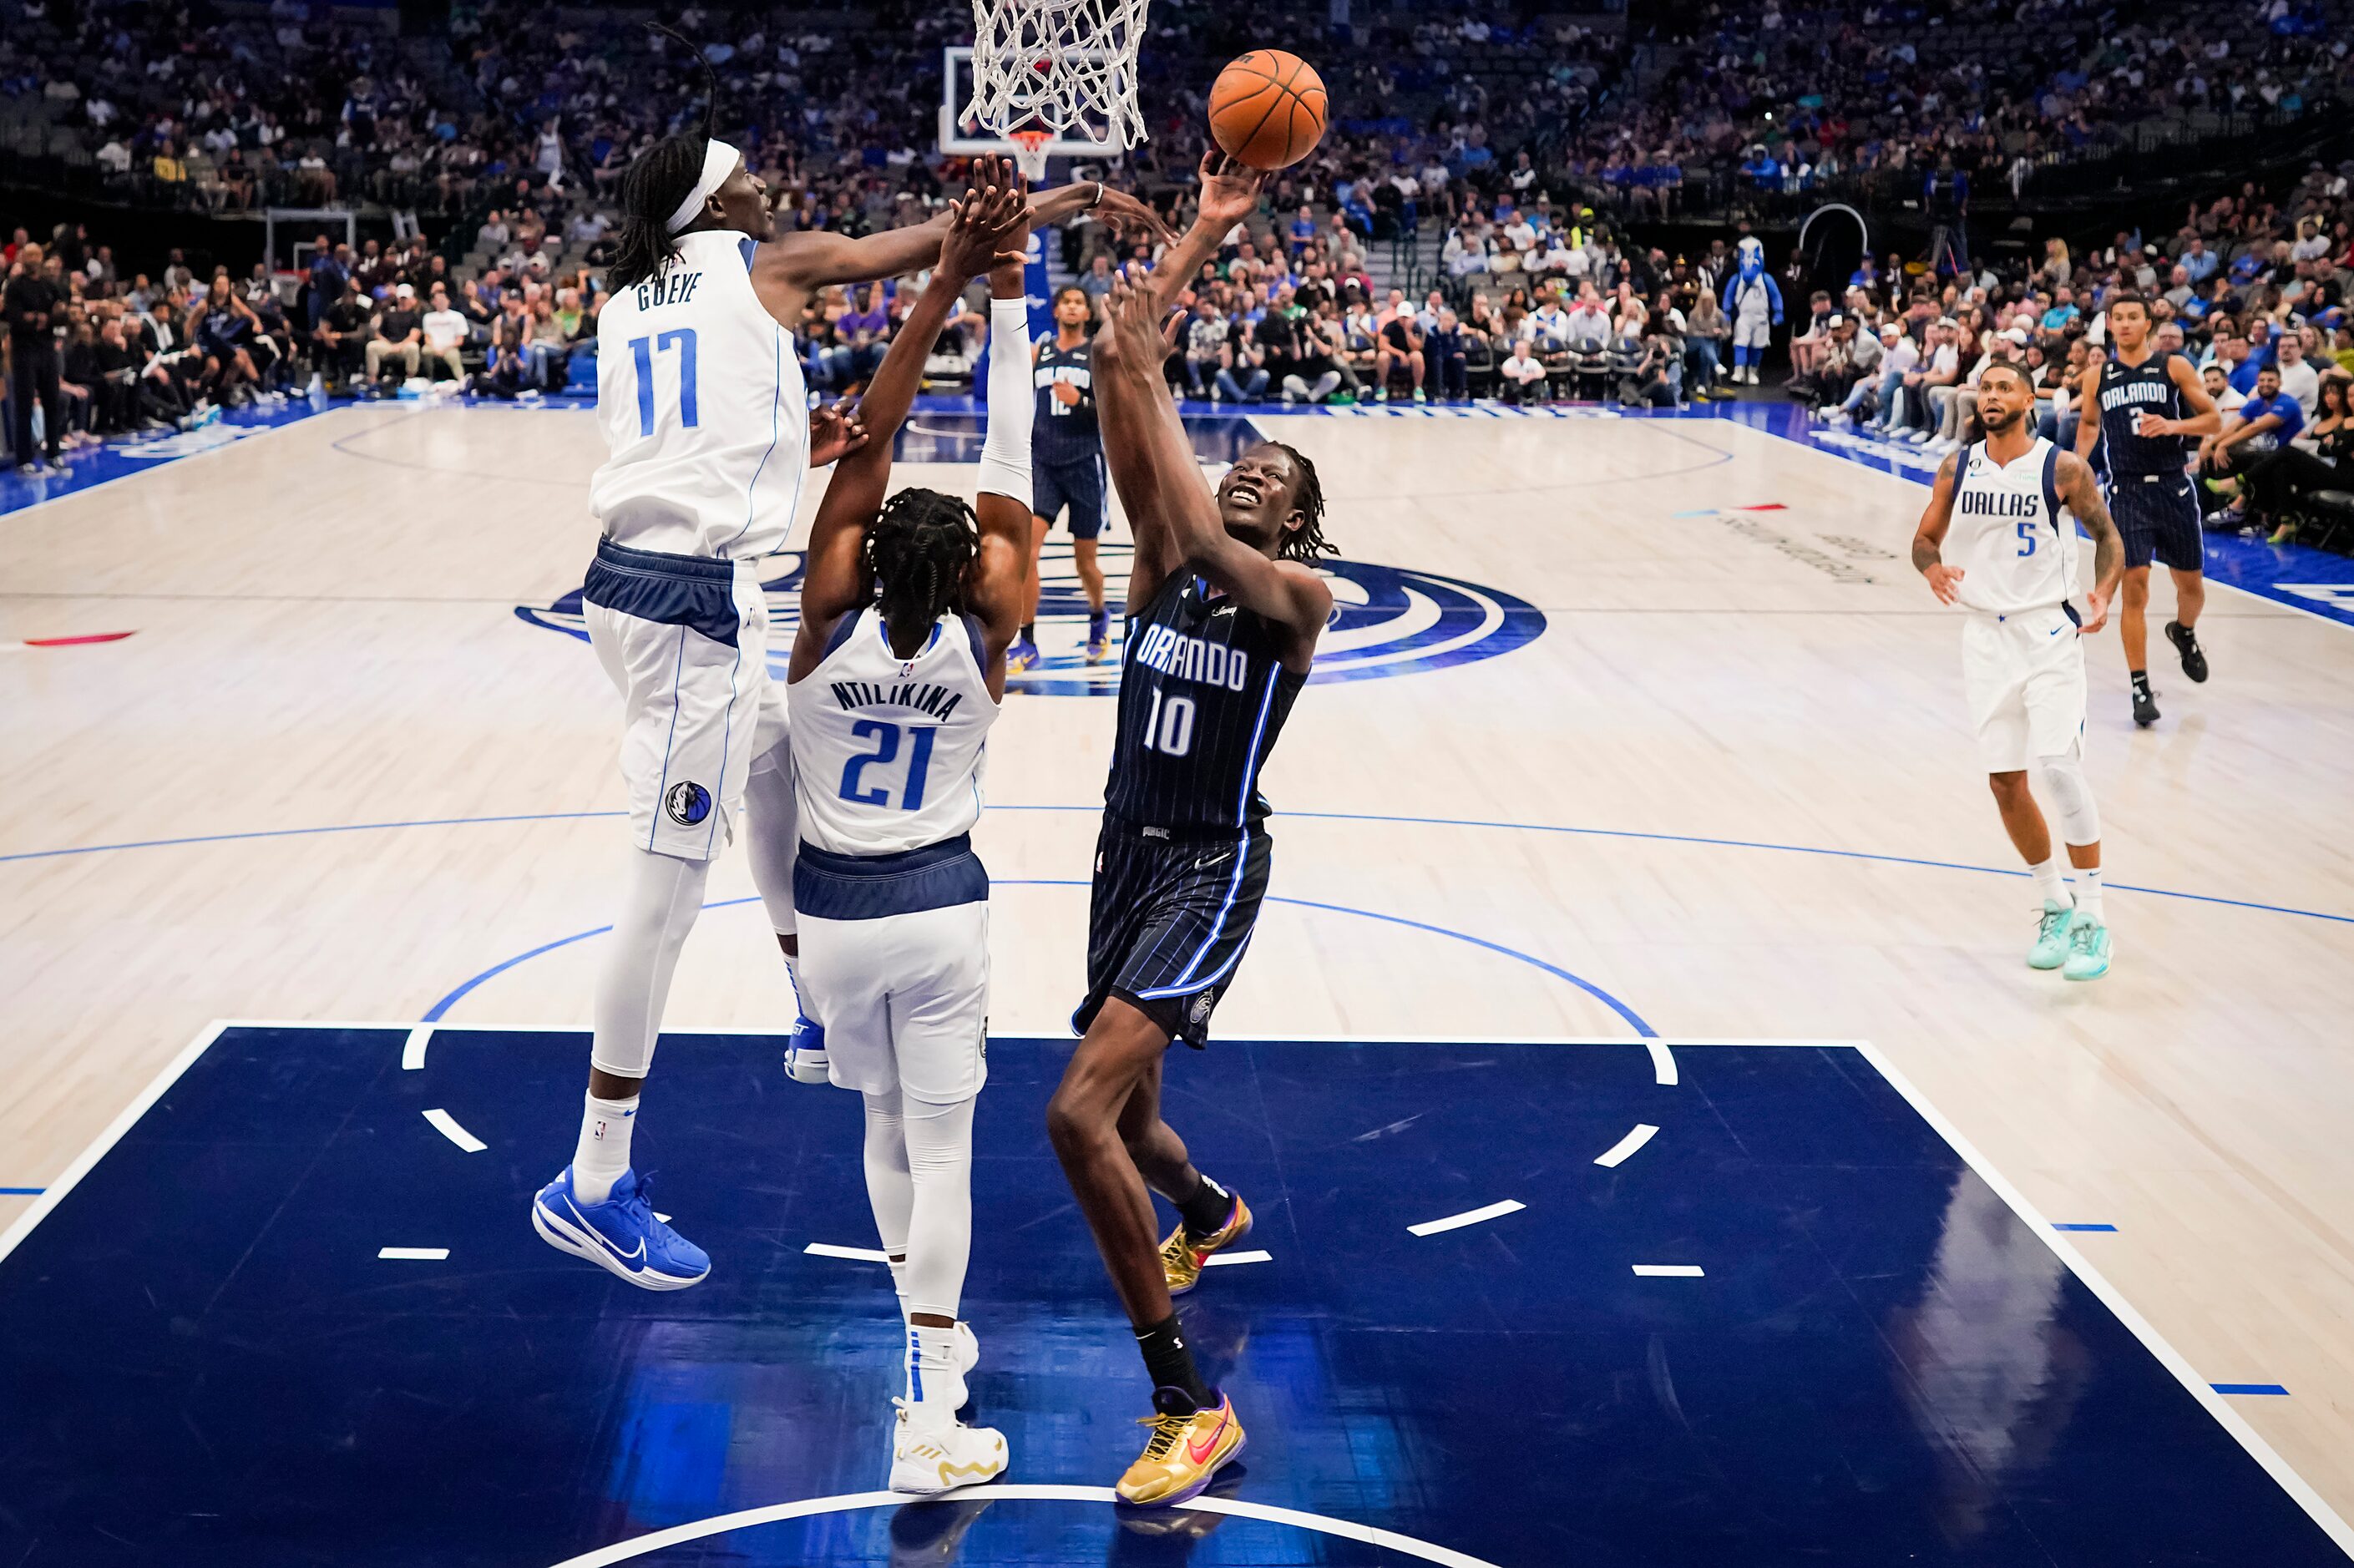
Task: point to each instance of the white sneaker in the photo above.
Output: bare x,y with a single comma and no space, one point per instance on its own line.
930,1455
1943,445
1920,438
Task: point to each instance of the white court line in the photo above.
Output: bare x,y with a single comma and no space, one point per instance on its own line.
2232,1421
1225,1257
447,1125
412,1049
855,1254
679,1535
1468,1217
1663,1062
1669,1271
1624,1149
413,1253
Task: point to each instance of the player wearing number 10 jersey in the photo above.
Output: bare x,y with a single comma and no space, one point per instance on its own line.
1224,610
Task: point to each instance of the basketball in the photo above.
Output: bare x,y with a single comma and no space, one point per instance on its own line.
1268,108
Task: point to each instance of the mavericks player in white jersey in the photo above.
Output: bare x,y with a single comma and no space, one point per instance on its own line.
1995,514
908,610
709,435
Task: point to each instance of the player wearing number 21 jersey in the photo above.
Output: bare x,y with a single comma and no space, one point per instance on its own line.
1224,609
1993,542
906,611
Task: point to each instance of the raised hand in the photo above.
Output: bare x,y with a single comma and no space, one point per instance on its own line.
835,431
1132,315
1129,217
990,223
1230,189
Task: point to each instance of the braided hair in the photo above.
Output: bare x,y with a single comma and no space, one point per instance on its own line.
1306,542
916,551
656,181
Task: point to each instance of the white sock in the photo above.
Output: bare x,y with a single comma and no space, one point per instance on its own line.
793,973
603,1155
935,1387
2046,873
2088,893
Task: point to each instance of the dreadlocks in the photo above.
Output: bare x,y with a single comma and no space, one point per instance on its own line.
656,181
1307,542
916,551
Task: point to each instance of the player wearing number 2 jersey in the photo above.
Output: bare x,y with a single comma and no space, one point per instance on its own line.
1995,516
906,611
1224,610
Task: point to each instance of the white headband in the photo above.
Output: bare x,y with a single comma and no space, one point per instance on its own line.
719,163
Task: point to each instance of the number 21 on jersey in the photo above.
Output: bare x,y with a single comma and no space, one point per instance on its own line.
885,736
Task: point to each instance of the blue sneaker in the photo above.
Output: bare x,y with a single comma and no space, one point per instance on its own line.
621,1236
1098,636
805,1058
1022,655
2088,951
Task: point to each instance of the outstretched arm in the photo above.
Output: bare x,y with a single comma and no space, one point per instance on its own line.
833,584
2081,493
1162,480
1230,190
995,580
1929,539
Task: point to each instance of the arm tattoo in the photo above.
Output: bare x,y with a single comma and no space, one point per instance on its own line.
1928,541
2091,509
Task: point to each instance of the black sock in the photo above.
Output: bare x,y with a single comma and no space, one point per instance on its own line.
1029,632
2140,678
1207,1209
1171,1366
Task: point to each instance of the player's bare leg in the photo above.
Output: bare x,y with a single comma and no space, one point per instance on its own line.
2133,630
1209,1217
1194,1431
1023,654
2189,598
1091,580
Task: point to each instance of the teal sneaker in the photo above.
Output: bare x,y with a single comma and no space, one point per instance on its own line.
2051,949
2088,951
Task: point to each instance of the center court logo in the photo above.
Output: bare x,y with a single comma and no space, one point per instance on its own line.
1386,620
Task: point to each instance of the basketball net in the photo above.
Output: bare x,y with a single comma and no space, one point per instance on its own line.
1058,68
1029,151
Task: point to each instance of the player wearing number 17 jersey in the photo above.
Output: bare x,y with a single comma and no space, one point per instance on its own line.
1224,610
1995,514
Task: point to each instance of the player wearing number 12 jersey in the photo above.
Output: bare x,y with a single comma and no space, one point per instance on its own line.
1994,512
1224,610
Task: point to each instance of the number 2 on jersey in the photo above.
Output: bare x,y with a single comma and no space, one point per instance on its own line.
886,738
1168,728
643,350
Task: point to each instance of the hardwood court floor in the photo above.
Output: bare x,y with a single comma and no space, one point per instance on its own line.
1748,722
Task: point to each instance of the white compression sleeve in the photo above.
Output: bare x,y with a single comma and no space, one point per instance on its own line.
889,1190
939,1228
1005,453
772,832
2072,796
665,895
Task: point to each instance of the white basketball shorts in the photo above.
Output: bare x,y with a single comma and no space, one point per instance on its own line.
1752,329
685,639
2024,678
895,965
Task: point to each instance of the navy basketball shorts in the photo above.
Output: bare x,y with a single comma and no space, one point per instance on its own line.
1077,486
1168,921
2158,515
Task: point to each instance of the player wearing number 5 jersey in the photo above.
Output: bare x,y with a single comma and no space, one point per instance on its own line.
1993,542
709,436
1224,609
908,610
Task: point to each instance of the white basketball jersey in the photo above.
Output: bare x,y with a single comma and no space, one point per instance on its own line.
887,751
2007,535
705,415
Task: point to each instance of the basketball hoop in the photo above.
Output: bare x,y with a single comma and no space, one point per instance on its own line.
1029,151
1061,69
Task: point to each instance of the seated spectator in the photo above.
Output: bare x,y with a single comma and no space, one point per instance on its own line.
2252,435
1523,375
1446,353
1402,347
399,335
444,332
340,340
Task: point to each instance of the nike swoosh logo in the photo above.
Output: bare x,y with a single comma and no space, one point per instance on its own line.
1207,862
2055,631
1200,1452
636,1255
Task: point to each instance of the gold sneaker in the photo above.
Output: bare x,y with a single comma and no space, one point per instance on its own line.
1183,1454
1182,1259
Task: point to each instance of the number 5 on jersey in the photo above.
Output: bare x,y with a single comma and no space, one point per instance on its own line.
644,349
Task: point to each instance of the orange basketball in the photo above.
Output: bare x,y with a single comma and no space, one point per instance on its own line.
1268,108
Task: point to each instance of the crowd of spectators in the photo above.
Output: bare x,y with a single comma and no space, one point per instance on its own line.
2256,292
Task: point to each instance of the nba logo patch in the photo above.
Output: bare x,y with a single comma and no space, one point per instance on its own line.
687,804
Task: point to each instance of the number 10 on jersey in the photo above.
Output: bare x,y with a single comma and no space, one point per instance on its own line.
1168,728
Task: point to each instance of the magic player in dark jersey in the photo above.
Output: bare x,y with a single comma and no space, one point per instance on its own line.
2140,402
1224,609
1066,466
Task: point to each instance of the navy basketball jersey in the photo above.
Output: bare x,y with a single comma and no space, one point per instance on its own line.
2128,391
1203,696
1065,432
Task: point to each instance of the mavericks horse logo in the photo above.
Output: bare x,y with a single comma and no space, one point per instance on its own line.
1386,620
